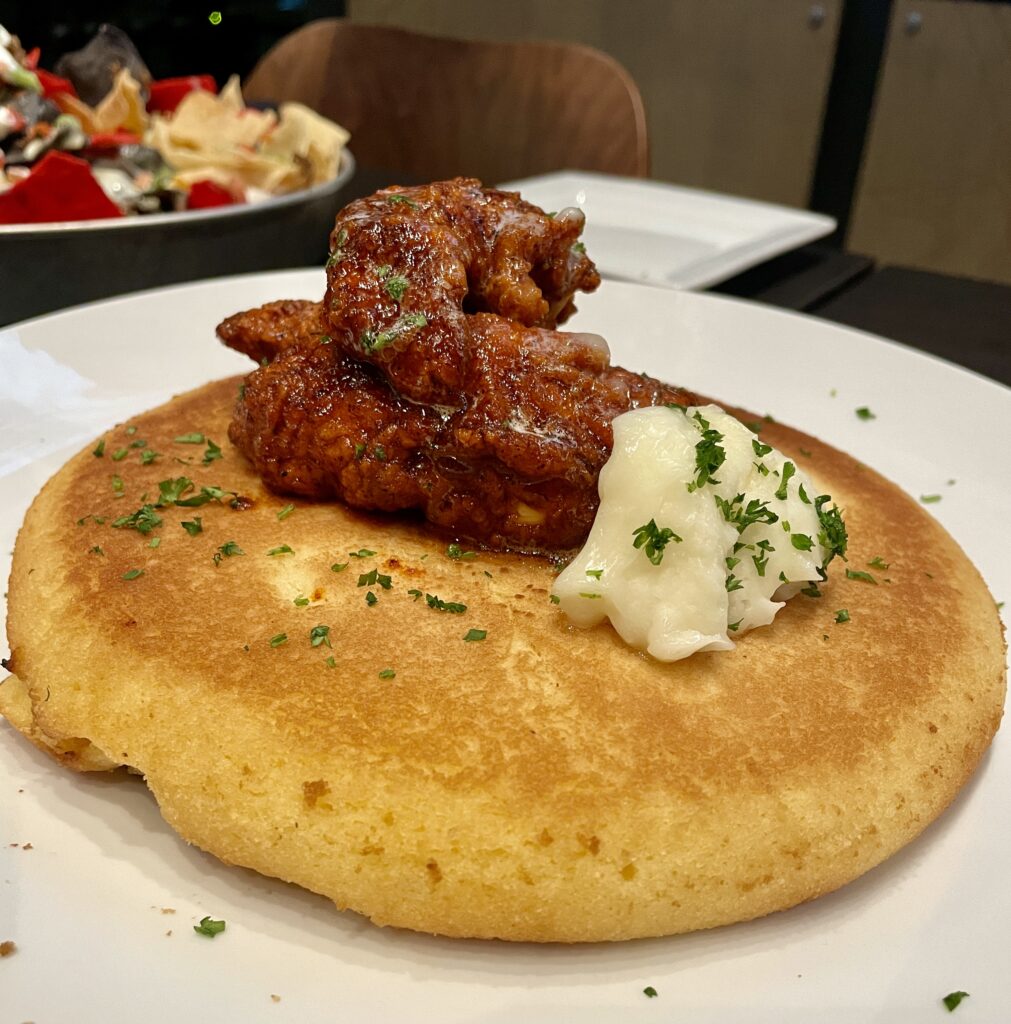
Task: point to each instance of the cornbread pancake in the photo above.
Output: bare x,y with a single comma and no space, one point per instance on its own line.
540,783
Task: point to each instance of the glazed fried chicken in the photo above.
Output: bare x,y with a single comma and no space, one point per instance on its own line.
492,426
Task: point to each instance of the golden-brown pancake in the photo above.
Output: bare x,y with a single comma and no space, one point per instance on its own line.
542,783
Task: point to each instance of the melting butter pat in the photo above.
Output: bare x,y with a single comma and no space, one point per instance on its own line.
703,532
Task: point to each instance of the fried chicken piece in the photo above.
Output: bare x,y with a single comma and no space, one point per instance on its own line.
263,332
409,266
516,468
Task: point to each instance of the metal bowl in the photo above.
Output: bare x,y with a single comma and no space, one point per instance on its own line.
44,267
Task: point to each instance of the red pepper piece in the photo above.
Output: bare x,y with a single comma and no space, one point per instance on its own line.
112,140
165,95
60,187
53,85
31,60
205,194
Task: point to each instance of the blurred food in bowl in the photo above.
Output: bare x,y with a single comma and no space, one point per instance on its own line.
100,139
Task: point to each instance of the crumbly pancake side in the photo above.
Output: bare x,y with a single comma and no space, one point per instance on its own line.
541,783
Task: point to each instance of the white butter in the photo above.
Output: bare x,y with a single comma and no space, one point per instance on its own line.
711,580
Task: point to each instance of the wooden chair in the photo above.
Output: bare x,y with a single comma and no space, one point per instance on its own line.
434,108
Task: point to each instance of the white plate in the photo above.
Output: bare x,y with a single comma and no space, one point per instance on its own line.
668,235
84,904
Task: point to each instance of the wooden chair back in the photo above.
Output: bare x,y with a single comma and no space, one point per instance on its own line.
434,108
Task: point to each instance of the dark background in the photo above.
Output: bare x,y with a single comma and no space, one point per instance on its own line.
174,38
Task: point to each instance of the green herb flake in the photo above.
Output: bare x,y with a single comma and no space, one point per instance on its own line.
952,999
320,635
208,926
380,453
119,454
338,253
595,573
842,615
859,574
414,593
555,599
930,499
359,452
456,552
811,591
833,529
709,454
454,607
331,662
863,413
193,526
144,520
649,991
395,287
802,494
877,562
212,454
147,457
117,485
734,626
131,430
154,542
789,469
278,639
282,550
189,439
759,448
132,574
96,550
371,599
285,512
374,577
301,602
361,553
227,550
741,516
387,673
339,566
733,583
472,635
652,539
801,541
398,197
99,450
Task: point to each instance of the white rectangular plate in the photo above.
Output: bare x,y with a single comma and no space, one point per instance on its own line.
671,236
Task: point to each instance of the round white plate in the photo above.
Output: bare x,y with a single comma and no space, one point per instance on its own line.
87,903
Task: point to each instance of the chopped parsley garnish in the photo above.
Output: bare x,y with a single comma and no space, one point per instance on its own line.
863,413
371,599
811,591
444,606
414,593
207,494
877,562
833,529
147,457
331,662
455,551
138,444
579,247
144,520
801,541
301,602
374,577
842,615
320,635
213,452
278,639
132,574
803,494
189,439
359,452
930,499
209,927
709,454
282,550
227,550
193,526
96,550
761,559
339,566
117,486
387,673
285,512
595,573
741,516
380,453
131,430
100,520
361,553
398,197
154,542
649,991
99,449
652,539
120,454
475,634
733,583
734,626
371,341
952,999
338,254
859,574
395,287
555,599
384,271
788,471
759,448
